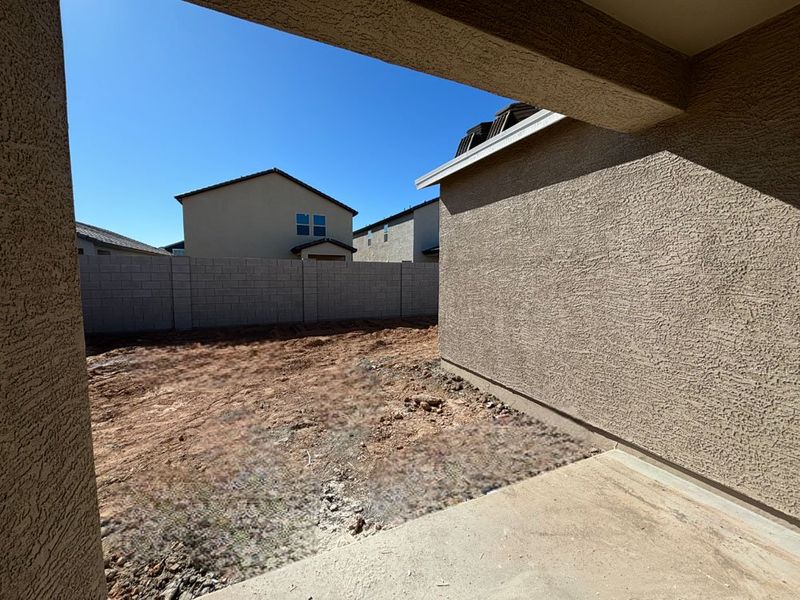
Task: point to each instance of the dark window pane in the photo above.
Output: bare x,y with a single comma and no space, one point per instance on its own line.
319,220
302,230
319,231
301,219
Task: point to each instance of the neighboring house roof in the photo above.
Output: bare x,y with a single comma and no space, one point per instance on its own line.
431,250
301,247
277,171
504,119
175,246
104,237
536,122
402,213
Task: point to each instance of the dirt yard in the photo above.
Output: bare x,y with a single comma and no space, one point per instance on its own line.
221,455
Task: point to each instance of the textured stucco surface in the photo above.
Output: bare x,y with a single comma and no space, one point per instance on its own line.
564,55
49,523
648,284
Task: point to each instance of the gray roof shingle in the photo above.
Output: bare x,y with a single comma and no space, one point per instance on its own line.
104,237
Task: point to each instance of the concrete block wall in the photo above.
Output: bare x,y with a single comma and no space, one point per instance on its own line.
420,289
126,293
358,290
245,291
157,293
181,293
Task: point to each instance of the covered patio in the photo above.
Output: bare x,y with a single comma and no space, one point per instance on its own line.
610,526
670,81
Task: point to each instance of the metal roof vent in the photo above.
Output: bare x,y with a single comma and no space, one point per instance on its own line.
475,136
509,116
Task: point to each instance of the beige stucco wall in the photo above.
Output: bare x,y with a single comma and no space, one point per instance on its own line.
649,284
426,231
49,524
256,219
398,248
409,235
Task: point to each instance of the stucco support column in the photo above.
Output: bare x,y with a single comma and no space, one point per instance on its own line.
562,55
49,525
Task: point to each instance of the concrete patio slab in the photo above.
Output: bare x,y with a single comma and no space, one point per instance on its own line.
611,526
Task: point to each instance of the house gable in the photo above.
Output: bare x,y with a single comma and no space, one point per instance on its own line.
256,216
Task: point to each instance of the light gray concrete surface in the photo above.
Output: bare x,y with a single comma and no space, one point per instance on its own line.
611,526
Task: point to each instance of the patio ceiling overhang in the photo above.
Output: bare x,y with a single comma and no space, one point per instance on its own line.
618,64
562,55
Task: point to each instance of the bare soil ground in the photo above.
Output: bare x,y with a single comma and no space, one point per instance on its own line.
221,455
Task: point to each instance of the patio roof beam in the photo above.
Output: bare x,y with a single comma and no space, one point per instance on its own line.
562,55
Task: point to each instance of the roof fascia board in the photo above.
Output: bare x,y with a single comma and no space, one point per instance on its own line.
531,125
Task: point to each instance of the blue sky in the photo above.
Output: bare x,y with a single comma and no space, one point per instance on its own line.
165,97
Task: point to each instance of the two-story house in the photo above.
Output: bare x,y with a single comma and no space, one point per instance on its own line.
266,215
410,235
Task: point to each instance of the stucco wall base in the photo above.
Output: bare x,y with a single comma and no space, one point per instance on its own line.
533,408
604,440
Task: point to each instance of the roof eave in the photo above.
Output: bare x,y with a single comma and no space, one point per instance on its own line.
111,246
275,171
523,129
300,247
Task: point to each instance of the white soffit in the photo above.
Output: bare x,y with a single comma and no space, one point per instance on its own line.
534,123
691,26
